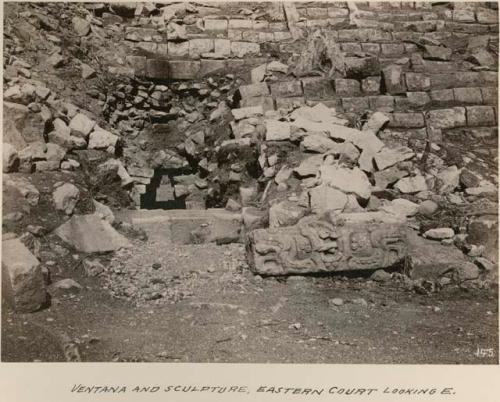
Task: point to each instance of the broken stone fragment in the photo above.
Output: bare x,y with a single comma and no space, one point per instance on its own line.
388,157
20,126
428,208
64,286
81,125
232,205
285,213
347,180
329,243
325,198
376,121
439,233
87,71
277,130
25,188
246,112
104,211
91,234
23,285
254,218
400,206
81,26
318,143
56,60
431,260
411,185
447,180
66,197
92,267
309,167
102,139
384,178
10,161
437,53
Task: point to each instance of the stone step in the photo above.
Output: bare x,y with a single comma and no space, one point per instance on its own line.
183,226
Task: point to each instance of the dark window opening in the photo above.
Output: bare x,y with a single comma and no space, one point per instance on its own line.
160,192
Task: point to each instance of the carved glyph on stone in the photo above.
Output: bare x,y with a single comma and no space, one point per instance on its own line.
332,242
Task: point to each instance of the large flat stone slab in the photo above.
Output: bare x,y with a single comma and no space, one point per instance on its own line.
22,280
431,260
183,226
91,234
329,243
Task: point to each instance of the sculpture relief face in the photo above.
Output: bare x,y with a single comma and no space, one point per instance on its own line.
361,243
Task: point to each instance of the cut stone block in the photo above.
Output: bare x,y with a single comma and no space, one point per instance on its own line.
178,224
286,89
446,118
431,260
81,125
318,88
393,79
388,157
157,68
242,49
20,125
91,234
347,180
325,198
253,90
184,69
329,243
285,213
277,130
480,116
23,285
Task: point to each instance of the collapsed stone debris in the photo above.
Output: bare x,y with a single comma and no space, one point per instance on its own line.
327,137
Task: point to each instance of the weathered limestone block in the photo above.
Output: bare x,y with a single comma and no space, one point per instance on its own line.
332,242
344,87
393,79
242,49
22,280
91,234
286,89
361,67
253,90
318,88
446,118
20,126
157,68
183,69
480,116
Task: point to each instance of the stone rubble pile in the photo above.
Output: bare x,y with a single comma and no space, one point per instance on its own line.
295,118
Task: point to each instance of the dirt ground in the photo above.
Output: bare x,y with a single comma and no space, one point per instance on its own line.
200,304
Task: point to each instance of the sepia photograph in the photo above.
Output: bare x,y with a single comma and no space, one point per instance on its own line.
250,182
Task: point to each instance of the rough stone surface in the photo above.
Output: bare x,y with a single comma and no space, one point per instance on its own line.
411,185
431,260
102,139
325,198
333,242
388,157
10,161
23,285
91,234
439,233
285,213
81,125
352,181
277,130
66,197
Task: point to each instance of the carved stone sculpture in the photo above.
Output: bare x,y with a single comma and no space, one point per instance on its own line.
332,242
